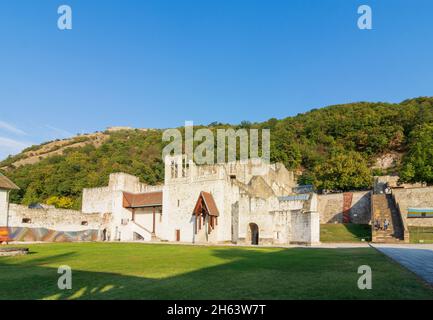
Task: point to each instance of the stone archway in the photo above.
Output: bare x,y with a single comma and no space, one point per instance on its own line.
253,232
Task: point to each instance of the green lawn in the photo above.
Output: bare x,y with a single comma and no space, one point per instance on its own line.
145,271
421,233
344,232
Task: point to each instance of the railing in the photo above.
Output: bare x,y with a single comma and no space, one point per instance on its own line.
142,229
403,221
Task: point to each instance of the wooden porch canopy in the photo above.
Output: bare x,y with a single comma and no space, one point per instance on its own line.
205,206
142,200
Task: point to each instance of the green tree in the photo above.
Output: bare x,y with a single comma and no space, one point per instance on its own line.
60,202
305,142
418,162
343,171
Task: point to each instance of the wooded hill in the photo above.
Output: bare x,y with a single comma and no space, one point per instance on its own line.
339,147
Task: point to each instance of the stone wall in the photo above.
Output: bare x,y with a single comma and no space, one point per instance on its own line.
330,207
256,211
97,200
381,182
179,200
305,227
53,219
415,198
100,200
360,212
241,198
177,169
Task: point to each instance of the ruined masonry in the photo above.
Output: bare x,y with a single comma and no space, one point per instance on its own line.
248,202
241,203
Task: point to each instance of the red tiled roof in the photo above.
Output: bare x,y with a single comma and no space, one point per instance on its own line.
5,183
209,203
140,200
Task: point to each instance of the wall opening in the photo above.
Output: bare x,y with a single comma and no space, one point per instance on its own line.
254,233
137,237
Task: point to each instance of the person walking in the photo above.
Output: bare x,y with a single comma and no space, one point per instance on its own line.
385,224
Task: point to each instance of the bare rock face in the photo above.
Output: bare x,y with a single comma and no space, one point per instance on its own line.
388,160
58,147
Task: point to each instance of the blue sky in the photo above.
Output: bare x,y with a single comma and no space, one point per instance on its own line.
157,63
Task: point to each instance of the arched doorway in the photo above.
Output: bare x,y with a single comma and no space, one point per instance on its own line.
254,232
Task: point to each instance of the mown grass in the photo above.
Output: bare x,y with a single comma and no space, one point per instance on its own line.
345,232
421,234
145,271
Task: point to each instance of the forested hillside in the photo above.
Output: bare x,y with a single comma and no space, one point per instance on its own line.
335,148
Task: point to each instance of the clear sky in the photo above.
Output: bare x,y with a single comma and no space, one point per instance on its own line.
157,63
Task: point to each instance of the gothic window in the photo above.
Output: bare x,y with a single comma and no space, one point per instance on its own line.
174,169
185,167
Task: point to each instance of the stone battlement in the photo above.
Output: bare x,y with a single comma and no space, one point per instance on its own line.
178,170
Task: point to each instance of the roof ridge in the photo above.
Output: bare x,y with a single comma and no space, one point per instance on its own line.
6,183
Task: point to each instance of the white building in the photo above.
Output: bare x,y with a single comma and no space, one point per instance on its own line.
5,187
243,203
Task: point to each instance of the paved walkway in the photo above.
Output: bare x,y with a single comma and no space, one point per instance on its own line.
417,258
341,245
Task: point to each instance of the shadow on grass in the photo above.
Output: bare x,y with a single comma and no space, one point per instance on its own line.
360,231
297,273
347,232
421,234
